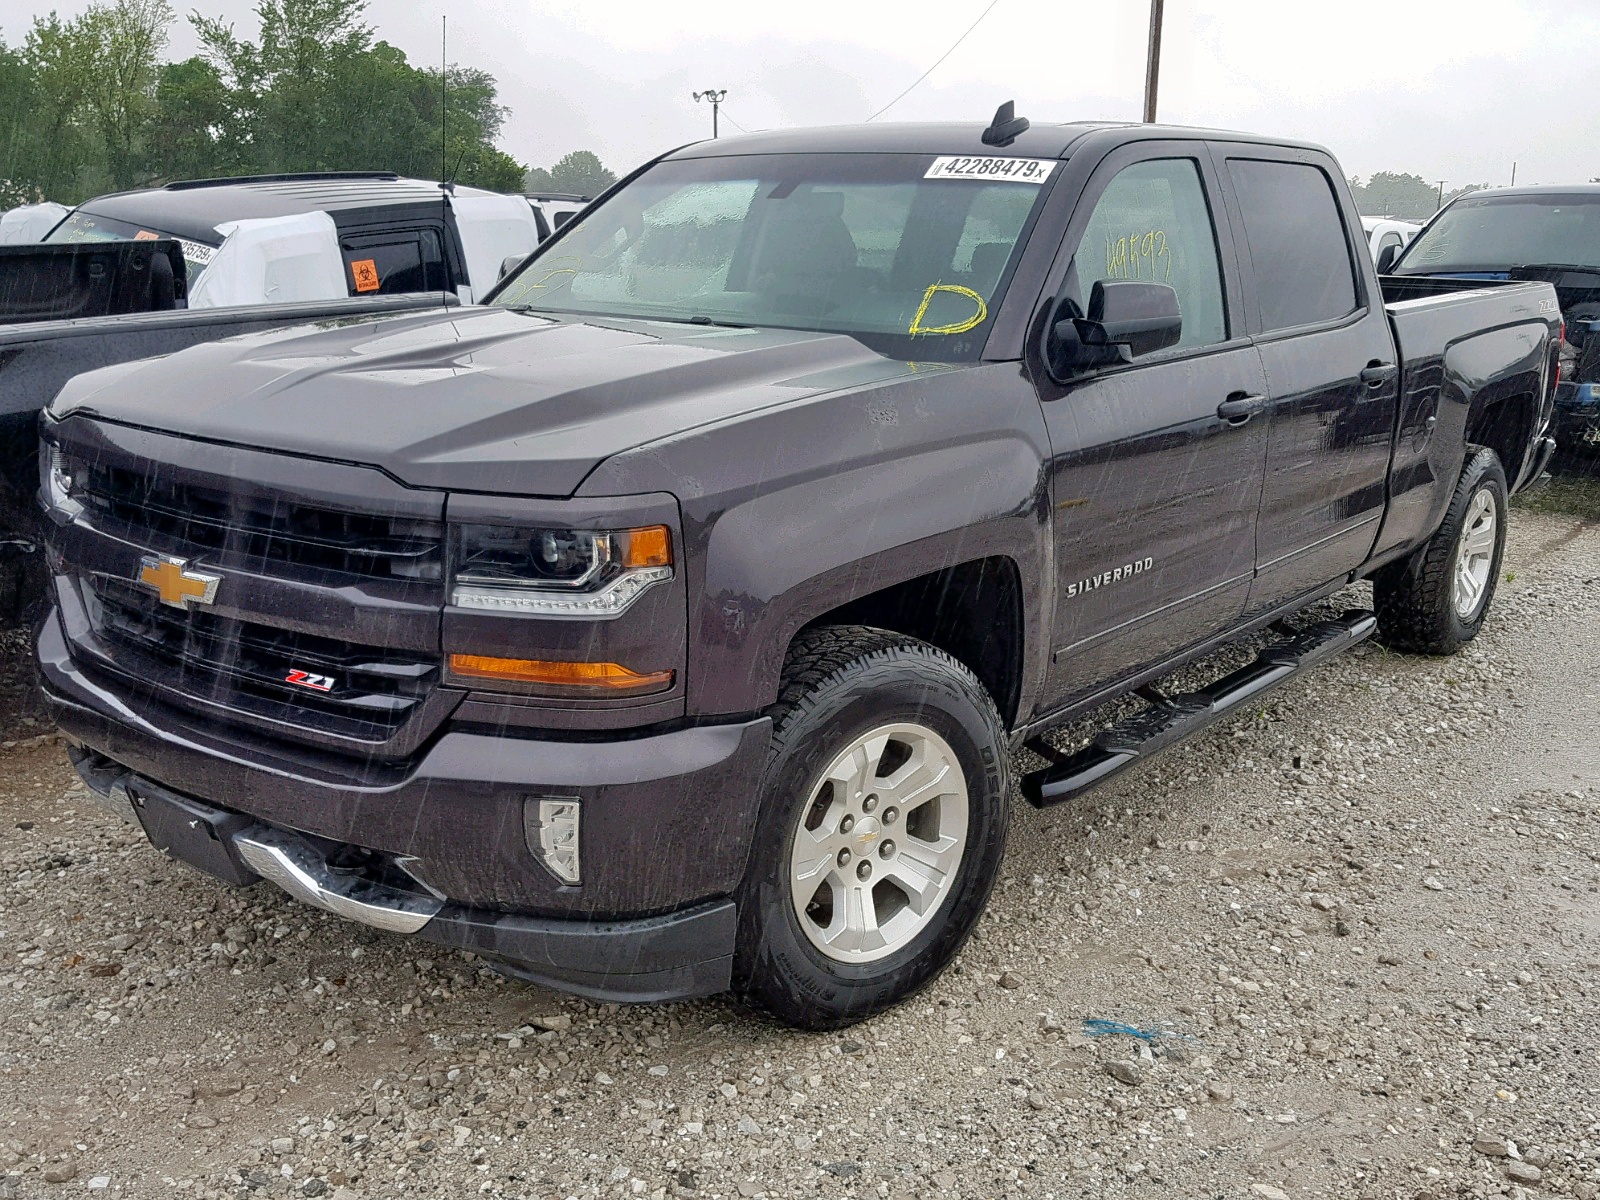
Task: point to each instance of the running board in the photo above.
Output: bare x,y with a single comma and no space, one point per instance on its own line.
1171,719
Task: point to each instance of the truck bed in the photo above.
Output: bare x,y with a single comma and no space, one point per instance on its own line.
37,358
1449,333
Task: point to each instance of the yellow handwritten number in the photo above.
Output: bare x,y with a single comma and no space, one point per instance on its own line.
972,322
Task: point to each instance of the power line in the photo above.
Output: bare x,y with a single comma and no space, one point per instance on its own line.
728,117
935,66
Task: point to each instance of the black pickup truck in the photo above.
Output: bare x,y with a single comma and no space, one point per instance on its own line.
668,624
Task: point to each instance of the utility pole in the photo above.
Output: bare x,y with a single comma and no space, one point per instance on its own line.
1513,174
1152,66
1439,203
716,96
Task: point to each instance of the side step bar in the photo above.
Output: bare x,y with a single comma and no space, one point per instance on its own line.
1171,719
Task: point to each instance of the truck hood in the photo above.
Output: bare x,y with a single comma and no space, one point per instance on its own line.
484,400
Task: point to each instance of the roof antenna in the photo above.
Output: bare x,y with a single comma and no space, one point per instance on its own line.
444,154
1005,127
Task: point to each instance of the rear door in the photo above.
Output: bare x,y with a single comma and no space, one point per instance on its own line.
1154,493
1330,365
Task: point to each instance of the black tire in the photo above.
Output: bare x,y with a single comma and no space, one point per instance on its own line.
839,683
1415,598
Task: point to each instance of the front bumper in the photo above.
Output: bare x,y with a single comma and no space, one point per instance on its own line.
666,823
1576,423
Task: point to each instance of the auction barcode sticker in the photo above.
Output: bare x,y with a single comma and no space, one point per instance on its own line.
1005,170
196,252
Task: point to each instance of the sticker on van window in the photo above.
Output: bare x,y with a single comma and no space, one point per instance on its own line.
196,252
985,167
144,235
365,273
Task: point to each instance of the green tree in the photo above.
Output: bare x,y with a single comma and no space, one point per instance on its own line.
196,133
86,104
61,160
18,151
473,121
580,173
120,45
316,93
1404,197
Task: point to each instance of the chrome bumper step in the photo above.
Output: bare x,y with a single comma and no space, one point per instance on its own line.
296,866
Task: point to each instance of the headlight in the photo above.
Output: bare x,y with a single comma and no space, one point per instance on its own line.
558,572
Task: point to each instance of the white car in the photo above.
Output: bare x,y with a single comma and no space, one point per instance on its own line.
1382,232
555,209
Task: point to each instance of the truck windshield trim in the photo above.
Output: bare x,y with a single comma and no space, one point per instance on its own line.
863,245
1495,234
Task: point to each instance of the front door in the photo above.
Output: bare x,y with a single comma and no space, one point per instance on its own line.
1331,373
1154,492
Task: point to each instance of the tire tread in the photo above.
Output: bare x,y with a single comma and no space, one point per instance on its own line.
1412,596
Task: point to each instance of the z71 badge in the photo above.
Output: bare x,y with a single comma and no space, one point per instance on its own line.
305,679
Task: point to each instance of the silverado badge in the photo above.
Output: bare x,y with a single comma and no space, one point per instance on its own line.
171,579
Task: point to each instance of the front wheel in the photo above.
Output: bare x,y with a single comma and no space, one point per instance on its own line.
882,825
1435,601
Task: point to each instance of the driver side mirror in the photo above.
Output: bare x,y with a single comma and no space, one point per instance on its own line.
1387,257
508,265
1126,318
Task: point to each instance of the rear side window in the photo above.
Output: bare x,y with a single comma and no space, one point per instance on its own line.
1294,234
395,263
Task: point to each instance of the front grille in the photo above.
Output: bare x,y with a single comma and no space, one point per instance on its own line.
257,533
370,692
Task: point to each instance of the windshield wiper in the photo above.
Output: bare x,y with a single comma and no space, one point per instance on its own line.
703,320
1587,270
697,319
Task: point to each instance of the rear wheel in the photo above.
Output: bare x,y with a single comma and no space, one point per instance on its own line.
882,826
1435,601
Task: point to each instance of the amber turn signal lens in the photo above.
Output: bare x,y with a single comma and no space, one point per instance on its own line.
648,547
562,678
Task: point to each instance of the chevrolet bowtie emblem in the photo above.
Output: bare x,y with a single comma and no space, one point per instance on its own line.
171,579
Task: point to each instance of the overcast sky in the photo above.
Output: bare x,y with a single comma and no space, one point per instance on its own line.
1449,89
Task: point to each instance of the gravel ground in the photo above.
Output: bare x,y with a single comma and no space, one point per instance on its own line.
1363,922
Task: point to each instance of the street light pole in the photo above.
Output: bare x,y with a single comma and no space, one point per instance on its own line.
716,96
1152,66
1439,203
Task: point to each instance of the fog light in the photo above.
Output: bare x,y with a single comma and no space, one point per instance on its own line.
550,828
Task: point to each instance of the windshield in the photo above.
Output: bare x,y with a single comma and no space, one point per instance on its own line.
866,245
1497,233
82,226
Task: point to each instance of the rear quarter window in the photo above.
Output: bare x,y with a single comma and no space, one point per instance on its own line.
394,264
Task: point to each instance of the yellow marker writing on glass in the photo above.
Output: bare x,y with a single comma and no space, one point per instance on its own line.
972,322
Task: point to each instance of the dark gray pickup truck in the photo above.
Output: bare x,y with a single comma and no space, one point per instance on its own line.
668,624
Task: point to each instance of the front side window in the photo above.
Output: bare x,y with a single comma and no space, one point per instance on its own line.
1295,240
1491,234
1152,224
859,244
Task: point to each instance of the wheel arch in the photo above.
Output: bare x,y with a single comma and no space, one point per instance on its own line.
972,611
1504,417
